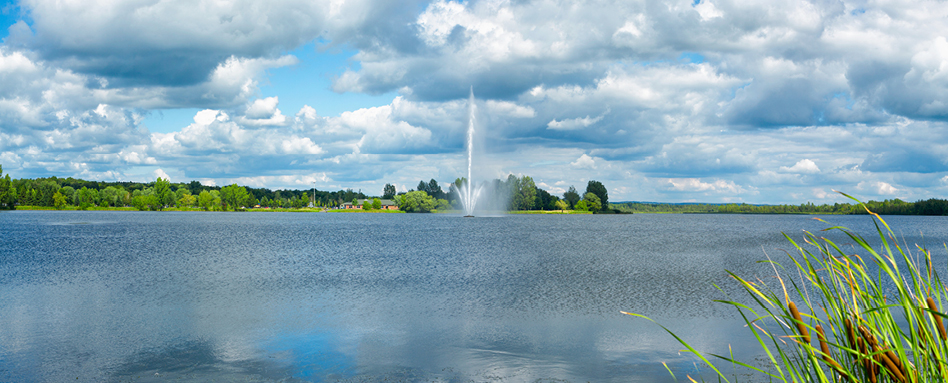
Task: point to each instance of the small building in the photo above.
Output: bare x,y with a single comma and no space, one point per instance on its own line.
387,204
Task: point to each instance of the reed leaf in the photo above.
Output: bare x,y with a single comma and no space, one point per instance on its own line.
874,310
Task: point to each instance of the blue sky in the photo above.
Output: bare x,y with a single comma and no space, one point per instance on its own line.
710,101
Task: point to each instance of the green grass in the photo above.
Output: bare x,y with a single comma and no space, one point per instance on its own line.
549,212
290,210
880,309
364,211
70,207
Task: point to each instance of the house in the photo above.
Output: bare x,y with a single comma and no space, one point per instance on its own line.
387,204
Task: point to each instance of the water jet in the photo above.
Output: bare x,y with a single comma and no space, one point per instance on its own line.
468,195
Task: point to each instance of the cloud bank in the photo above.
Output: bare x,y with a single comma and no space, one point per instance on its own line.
711,101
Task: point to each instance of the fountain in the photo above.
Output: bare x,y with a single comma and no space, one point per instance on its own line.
468,195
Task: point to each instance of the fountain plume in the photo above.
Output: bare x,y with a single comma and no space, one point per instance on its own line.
467,191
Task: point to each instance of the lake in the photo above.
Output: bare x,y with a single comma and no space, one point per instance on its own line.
145,296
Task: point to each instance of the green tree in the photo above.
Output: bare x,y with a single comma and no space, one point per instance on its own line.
581,206
138,202
109,196
59,201
435,190
163,192
571,196
153,202
527,190
45,191
388,192
593,203
376,203
366,205
562,205
8,195
599,190
233,196
443,205
545,201
186,200
217,203
417,202
205,200
69,192
86,197
146,202
180,192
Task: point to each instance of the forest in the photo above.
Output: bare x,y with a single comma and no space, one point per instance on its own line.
70,193
61,193
931,206
518,194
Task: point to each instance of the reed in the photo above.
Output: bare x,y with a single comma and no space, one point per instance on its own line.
876,312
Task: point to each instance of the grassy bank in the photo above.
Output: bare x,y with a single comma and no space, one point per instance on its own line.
288,210
845,313
76,208
364,211
292,210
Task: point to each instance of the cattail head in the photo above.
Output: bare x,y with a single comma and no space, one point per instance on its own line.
850,332
941,327
799,322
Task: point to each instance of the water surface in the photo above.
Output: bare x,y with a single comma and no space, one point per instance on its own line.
144,296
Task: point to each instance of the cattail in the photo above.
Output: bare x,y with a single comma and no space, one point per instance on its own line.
867,362
799,322
941,327
895,360
826,350
891,367
850,333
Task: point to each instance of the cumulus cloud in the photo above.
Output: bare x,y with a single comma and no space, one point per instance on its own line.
584,162
176,43
697,185
264,112
697,99
878,188
574,123
804,166
158,173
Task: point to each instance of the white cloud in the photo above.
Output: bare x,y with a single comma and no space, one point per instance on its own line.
697,185
264,112
158,173
879,188
680,100
584,162
804,166
574,123
509,109
707,10
300,145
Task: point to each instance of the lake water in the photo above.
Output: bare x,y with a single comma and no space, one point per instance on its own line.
142,296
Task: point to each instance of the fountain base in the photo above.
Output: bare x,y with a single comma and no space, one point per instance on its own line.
468,216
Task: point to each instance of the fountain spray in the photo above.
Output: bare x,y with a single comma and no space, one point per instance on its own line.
469,195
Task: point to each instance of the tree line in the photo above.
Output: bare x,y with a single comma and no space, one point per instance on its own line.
931,206
521,193
63,193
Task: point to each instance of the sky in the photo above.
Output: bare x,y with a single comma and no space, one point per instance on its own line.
672,101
